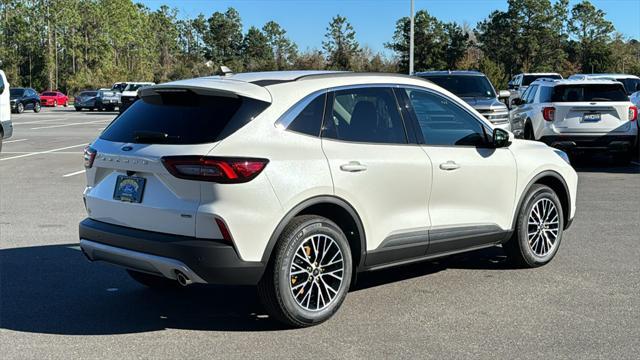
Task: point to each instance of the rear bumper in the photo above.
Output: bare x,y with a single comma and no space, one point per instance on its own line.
611,143
206,261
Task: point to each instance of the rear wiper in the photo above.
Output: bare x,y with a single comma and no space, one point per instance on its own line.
152,136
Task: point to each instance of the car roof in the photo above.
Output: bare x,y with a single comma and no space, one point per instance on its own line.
605,75
556,82
540,73
450,72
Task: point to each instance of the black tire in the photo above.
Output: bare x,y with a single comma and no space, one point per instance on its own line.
153,281
275,289
78,108
528,132
20,108
36,107
518,248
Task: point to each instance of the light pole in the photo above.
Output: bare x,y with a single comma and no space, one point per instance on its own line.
411,43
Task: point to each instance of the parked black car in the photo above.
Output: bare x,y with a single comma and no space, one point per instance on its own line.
24,99
86,100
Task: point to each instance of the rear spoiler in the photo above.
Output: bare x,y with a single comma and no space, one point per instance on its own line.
212,87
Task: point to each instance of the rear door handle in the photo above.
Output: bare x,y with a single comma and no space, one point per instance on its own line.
449,165
353,166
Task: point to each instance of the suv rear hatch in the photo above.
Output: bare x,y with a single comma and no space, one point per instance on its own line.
128,184
590,108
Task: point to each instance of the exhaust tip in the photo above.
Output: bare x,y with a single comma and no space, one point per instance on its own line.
183,280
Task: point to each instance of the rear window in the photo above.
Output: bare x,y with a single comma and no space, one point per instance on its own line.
528,79
465,85
182,118
589,92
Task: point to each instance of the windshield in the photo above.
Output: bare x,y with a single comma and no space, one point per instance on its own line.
465,86
135,87
528,79
630,85
88,93
16,92
589,92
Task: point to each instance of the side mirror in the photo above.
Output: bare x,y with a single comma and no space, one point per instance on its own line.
517,102
502,138
503,94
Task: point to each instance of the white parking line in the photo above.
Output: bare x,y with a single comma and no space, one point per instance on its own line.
17,140
53,153
42,152
38,121
72,124
74,173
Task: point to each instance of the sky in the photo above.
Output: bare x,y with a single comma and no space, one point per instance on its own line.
373,20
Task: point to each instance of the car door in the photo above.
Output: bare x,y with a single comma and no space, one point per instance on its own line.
31,98
376,169
520,113
473,187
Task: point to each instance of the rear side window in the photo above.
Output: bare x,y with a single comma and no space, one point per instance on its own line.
589,92
365,115
182,118
309,121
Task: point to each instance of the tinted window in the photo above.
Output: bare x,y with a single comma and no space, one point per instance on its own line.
49,94
134,87
16,92
589,92
182,118
365,115
528,79
546,93
531,94
309,121
525,94
465,85
630,85
443,122
1,85
88,93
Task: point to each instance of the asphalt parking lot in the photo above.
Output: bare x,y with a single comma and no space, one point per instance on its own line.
55,304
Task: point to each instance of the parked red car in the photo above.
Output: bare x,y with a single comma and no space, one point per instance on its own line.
53,98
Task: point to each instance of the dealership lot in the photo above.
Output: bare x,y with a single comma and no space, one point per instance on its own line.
54,304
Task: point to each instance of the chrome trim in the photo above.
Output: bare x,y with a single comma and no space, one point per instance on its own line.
138,261
287,118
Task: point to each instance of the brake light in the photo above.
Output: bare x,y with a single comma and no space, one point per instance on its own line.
214,169
89,156
633,113
549,113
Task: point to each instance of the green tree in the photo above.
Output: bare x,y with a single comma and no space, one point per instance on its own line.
340,45
593,33
256,51
223,39
284,51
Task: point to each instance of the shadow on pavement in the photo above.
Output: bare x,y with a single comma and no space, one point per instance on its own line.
55,290
601,163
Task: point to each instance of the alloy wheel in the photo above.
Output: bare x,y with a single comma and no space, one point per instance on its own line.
543,227
316,272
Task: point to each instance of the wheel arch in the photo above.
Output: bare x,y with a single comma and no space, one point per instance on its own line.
334,209
555,181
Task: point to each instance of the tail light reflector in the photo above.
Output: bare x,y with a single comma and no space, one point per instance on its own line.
224,230
214,169
89,156
633,113
549,113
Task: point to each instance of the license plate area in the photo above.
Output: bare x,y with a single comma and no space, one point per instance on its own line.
591,117
129,188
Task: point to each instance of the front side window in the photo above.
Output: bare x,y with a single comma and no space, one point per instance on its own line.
443,122
532,94
365,115
309,120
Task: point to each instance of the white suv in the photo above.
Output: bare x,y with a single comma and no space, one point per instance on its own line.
6,127
579,115
296,181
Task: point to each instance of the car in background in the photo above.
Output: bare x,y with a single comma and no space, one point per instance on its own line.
107,99
130,94
6,127
631,83
119,87
476,90
579,116
305,179
521,82
86,100
24,99
53,98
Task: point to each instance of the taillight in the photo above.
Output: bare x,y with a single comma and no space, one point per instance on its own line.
549,113
633,113
214,169
89,156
